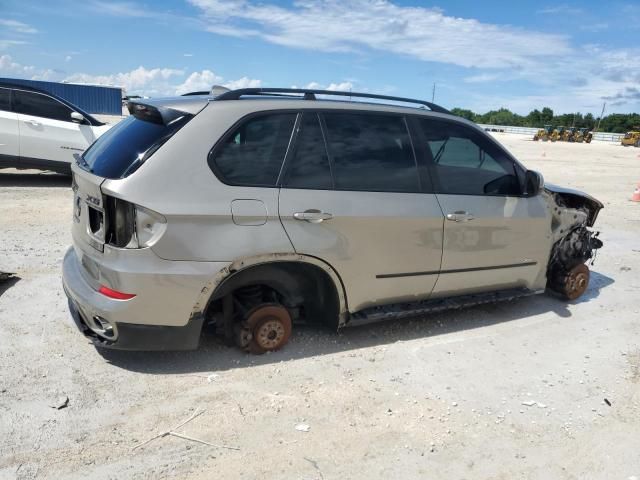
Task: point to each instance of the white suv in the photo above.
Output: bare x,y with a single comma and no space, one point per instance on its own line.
40,130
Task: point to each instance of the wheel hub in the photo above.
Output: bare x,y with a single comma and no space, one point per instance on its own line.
270,327
270,334
576,281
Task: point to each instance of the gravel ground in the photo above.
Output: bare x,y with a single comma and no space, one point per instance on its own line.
536,388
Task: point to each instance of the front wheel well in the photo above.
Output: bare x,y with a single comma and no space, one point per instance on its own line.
305,289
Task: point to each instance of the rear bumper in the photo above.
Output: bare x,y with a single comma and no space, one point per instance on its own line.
158,318
138,337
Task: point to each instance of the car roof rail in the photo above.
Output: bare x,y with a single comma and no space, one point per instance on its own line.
310,94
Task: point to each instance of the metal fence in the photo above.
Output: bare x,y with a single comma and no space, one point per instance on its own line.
600,136
90,98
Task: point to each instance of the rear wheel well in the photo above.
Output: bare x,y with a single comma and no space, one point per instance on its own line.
306,290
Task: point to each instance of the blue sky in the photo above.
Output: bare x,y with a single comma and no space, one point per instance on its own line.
481,55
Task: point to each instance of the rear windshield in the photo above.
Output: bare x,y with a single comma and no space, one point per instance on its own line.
127,145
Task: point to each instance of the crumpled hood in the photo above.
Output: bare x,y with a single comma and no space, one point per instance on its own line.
577,199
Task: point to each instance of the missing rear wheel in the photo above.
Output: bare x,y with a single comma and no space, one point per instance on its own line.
270,327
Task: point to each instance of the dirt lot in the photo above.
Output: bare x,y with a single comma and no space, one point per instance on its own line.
505,391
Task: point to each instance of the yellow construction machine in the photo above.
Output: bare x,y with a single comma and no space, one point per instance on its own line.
631,138
568,134
557,134
543,134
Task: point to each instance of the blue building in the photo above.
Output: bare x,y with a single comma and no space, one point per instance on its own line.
90,98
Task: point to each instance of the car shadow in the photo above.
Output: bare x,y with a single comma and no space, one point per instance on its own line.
308,341
36,179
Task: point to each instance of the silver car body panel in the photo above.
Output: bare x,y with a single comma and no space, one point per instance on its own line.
505,245
378,248
376,241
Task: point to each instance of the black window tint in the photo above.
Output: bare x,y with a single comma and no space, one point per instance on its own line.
464,163
309,167
38,105
5,99
253,153
371,152
125,146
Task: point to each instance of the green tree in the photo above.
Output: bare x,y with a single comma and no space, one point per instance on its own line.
468,114
615,123
547,115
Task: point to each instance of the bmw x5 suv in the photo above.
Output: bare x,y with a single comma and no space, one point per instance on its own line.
257,209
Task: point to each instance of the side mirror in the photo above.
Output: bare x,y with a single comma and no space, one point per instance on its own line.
534,183
77,117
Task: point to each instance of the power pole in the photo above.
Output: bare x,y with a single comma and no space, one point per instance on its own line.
601,115
433,93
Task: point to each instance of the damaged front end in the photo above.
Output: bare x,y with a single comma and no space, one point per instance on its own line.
574,243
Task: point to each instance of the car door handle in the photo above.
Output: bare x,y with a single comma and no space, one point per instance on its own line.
33,122
312,216
460,216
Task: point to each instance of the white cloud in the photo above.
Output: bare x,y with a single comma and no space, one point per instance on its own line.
155,81
243,82
482,77
342,86
18,27
14,69
121,9
187,54
563,9
204,80
199,81
151,82
152,11
492,52
68,58
5,44
351,25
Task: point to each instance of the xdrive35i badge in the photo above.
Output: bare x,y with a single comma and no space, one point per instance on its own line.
93,200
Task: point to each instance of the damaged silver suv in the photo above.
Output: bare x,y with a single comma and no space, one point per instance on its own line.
257,209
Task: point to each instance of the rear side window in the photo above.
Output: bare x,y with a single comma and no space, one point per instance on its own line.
309,166
464,163
5,99
38,105
253,153
128,144
371,152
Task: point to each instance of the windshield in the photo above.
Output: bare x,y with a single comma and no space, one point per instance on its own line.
126,146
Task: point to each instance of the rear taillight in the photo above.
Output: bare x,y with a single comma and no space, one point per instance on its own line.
120,223
130,225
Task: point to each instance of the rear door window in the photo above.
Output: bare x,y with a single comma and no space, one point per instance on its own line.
252,154
464,163
39,105
5,99
371,152
309,166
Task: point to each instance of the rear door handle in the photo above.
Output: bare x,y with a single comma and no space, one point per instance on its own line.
460,216
312,216
33,122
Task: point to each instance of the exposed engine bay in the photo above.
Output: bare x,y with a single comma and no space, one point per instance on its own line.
574,243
